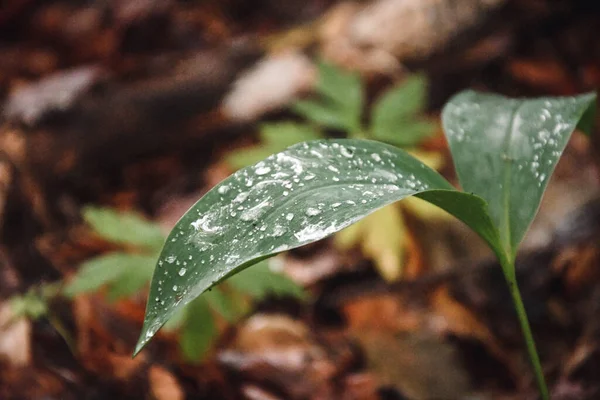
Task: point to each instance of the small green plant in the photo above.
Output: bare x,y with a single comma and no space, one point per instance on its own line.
504,151
35,304
125,272
339,105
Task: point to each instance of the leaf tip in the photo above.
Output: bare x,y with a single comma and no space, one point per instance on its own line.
149,329
141,343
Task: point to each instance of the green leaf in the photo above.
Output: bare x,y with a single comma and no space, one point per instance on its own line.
106,269
285,134
325,114
275,137
341,87
292,198
34,304
260,281
223,303
381,237
134,277
198,331
395,115
176,321
124,228
340,103
30,305
406,133
505,151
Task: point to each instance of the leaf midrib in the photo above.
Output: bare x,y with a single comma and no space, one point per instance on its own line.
506,183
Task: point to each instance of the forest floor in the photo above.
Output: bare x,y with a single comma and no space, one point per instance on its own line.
129,105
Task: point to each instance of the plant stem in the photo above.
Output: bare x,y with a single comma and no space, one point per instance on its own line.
511,280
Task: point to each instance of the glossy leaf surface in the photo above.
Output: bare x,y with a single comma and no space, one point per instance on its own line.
292,198
505,151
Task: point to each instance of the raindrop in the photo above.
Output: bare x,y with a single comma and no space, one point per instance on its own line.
253,213
241,197
262,170
223,189
543,136
346,152
152,329
311,212
279,230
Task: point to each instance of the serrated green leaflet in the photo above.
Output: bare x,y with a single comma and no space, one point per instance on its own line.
260,281
274,137
123,228
505,151
340,103
395,117
114,268
292,198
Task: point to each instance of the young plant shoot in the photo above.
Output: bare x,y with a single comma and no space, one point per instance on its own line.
504,151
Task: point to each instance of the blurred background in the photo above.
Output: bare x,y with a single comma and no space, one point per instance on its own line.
117,115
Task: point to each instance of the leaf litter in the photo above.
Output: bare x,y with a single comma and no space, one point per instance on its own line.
104,333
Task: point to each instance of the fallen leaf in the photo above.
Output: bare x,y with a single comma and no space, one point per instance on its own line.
271,84
458,320
381,237
164,385
419,365
15,337
56,92
253,392
281,351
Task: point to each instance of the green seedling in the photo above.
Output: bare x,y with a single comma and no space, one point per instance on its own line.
124,273
504,151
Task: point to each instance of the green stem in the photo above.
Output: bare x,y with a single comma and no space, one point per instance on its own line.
511,280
